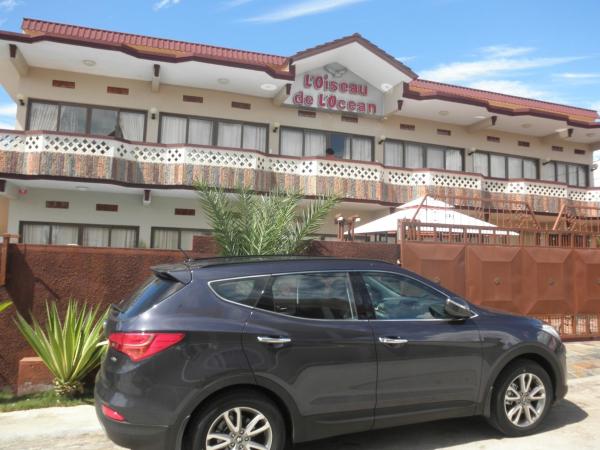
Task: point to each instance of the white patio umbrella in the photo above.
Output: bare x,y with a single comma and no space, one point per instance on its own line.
431,211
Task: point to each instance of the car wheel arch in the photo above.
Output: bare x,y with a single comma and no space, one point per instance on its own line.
276,399
533,353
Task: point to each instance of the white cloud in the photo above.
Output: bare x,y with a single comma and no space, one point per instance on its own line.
510,87
8,109
301,9
596,106
405,58
579,75
505,51
489,67
8,5
7,126
164,4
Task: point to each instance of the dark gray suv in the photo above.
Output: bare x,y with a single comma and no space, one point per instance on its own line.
254,353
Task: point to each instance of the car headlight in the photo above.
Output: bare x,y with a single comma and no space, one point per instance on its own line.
551,330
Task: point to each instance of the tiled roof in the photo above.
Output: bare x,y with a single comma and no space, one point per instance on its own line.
175,49
434,89
282,66
356,37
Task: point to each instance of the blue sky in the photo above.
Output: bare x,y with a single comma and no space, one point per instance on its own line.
545,49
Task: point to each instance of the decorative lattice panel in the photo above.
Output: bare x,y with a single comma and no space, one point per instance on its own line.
78,145
584,195
11,141
222,158
400,177
279,165
494,186
546,189
239,159
455,180
348,170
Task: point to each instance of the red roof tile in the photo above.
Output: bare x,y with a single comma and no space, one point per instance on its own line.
180,48
282,66
356,37
448,91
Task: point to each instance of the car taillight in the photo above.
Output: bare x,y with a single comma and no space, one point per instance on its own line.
139,345
112,414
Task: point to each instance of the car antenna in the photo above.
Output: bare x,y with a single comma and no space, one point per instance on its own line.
187,257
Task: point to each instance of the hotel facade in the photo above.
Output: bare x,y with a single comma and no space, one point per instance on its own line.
113,129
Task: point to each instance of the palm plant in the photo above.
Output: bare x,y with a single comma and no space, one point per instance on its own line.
4,305
71,348
245,223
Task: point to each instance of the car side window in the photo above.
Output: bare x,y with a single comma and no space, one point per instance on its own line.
310,295
396,297
241,290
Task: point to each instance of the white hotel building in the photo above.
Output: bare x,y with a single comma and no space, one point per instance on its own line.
112,130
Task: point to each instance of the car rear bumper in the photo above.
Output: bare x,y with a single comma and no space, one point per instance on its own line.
133,436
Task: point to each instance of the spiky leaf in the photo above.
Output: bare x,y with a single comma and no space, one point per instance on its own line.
68,347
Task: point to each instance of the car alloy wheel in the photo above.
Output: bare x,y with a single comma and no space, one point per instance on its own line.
240,428
524,400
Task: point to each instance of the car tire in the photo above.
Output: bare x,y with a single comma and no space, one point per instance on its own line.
517,409
251,405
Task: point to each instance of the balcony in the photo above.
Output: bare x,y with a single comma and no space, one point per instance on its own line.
34,154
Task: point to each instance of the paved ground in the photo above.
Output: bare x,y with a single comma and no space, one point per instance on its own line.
574,423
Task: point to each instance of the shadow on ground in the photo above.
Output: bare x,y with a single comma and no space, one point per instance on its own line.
440,434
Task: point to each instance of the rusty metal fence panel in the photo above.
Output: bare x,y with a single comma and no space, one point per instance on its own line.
557,283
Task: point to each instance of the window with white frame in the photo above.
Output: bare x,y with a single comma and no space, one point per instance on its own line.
571,174
82,119
177,129
505,166
414,155
49,233
175,238
303,142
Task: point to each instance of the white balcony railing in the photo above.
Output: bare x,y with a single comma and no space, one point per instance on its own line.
33,142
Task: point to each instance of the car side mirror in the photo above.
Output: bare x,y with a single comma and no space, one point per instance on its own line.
457,310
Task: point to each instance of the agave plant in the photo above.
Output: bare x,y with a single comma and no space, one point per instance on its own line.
245,223
71,348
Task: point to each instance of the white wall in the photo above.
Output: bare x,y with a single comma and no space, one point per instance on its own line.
160,213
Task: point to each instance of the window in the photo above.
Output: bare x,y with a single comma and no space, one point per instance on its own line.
571,174
396,297
244,290
174,238
413,155
300,142
310,295
97,120
153,291
505,166
78,234
176,129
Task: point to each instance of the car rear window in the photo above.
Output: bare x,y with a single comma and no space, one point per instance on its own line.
240,290
154,290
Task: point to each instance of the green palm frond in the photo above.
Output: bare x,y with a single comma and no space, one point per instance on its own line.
4,305
245,223
68,347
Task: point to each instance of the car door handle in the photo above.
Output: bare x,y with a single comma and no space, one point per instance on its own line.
273,340
388,340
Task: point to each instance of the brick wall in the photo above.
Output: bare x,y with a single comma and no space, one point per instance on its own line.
102,276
